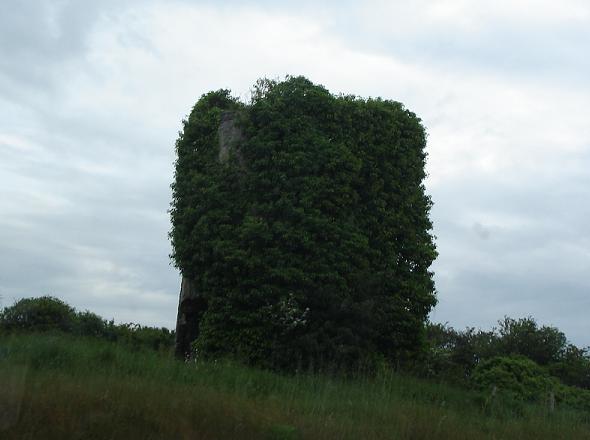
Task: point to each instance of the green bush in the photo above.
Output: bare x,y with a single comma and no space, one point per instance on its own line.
517,376
38,314
139,336
453,354
47,313
90,324
574,397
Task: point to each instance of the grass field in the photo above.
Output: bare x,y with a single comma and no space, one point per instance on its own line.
65,387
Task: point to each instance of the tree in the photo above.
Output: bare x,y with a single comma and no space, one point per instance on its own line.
38,314
310,243
544,344
454,353
574,367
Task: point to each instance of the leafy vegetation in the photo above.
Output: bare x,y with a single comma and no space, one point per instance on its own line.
66,381
311,243
454,355
63,386
518,376
47,313
40,314
519,359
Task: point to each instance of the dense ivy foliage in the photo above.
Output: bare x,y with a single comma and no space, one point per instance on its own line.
312,243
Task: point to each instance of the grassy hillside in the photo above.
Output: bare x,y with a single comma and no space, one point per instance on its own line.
68,387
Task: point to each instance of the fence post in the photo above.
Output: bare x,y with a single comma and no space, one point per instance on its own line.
551,402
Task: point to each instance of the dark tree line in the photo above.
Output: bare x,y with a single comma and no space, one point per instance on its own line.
518,361
456,354
49,314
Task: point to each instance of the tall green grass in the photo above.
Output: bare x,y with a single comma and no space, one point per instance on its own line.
66,387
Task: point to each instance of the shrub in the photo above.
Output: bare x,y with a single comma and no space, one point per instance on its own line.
517,376
47,313
453,354
90,324
139,336
38,314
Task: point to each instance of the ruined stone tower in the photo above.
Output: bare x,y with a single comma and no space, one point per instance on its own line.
192,304
300,226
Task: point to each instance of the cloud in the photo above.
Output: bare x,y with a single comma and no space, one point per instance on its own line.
92,98
532,262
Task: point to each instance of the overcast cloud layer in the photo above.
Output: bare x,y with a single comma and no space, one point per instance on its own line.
92,95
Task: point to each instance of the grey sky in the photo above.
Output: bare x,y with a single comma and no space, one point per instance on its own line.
92,95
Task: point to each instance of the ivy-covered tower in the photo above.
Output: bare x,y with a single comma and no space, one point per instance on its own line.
301,227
